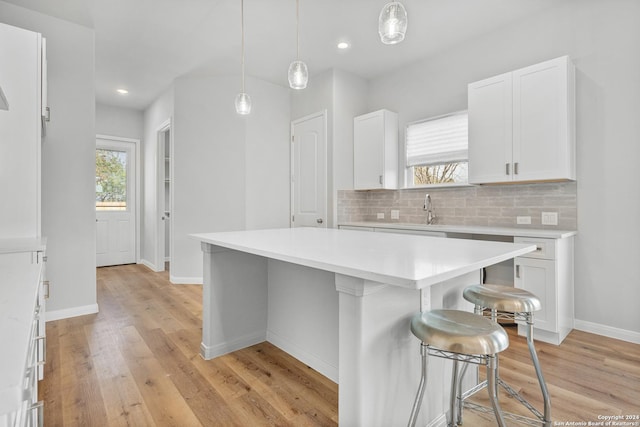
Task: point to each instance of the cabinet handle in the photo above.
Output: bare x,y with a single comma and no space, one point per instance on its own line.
507,165
41,362
380,179
515,168
45,285
517,271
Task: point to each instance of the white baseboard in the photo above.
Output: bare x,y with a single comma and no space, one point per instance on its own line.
209,352
305,357
148,264
607,331
185,280
71,312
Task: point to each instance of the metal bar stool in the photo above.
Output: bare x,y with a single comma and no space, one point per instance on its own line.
518,305
462,337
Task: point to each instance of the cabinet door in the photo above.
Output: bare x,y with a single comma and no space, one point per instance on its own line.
368,151
538,277
542,135
490,133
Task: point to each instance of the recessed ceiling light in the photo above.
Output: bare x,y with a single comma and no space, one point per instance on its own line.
343,45
122,91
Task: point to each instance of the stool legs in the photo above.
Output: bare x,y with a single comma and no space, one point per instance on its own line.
456,378
492,388
424,350
544,418
541,381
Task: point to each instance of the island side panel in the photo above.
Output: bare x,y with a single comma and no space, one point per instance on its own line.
379,359
303,315
234,301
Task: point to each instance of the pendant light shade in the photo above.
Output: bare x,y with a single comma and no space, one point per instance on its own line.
243,100
298,73
392,24
243,103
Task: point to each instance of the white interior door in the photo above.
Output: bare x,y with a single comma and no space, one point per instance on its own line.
115,202
309,180
164,190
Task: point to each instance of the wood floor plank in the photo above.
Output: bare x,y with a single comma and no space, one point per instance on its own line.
163,400
138,363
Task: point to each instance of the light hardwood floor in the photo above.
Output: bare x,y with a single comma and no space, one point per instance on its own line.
137,363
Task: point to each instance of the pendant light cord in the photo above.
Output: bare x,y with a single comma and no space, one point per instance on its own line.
242,26
298,29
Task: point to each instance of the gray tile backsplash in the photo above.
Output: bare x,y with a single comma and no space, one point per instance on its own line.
494,205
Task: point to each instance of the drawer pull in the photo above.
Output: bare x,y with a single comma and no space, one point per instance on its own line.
41,362
517,271
539,248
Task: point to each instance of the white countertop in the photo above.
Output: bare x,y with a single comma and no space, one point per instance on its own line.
401,260
470,229
23,245
18,290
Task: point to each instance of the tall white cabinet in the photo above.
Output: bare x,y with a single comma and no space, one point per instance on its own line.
522,125
21,76
23,114
375,151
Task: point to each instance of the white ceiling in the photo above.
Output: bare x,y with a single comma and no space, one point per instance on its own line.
142,45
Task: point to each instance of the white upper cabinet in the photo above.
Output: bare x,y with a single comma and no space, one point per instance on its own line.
522,125
375,151
20,132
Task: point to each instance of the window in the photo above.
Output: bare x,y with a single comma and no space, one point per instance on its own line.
437,150
111,180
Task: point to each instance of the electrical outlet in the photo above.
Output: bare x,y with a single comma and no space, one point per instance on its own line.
549,218
395,214
380,215
523,220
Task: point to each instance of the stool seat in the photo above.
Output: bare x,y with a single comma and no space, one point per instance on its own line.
459,332
502,298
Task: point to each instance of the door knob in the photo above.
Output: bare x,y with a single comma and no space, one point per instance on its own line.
319,220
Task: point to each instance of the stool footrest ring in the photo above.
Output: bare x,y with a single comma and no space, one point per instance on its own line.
477,359
507,415
531,421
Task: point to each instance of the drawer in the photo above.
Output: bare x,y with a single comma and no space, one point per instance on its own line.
414,232
545,248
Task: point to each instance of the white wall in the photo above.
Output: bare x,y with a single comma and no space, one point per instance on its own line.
602,38
155,116
267,157
118,121
230,171
68,161
344,96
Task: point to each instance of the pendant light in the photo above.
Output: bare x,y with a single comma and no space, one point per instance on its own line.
243,100
392,23
298,73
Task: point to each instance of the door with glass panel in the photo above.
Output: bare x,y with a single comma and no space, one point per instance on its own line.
115,202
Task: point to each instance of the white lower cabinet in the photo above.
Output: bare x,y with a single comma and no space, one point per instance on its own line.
22,329
548,274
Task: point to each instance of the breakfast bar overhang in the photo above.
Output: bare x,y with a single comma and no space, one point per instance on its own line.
341,301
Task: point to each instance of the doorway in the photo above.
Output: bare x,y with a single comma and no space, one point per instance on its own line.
116,201
164,196
309,179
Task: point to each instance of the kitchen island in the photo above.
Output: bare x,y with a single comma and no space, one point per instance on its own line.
341,301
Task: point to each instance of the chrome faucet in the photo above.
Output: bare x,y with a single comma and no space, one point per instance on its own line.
431,217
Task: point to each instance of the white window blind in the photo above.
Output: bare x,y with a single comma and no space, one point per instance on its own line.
438,141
